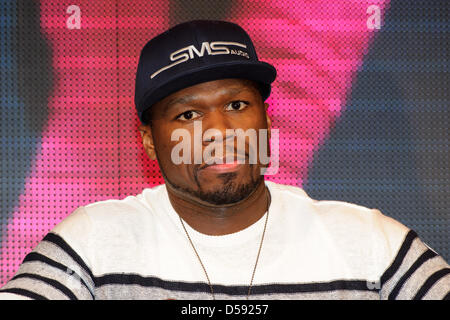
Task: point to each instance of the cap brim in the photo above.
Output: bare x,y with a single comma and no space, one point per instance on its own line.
261,72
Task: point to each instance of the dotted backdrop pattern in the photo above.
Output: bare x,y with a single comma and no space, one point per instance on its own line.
360,101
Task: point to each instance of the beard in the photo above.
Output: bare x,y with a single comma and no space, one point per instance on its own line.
228,192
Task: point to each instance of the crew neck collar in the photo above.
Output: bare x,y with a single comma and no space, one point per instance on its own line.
235,238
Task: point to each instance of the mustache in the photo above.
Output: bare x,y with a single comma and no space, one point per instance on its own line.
228,153
229,157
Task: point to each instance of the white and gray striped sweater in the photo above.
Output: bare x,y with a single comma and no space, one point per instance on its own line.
135,248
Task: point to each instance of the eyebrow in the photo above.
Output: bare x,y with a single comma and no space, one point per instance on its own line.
189,98
175,101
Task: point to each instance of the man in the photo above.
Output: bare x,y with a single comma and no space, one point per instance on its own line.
216,229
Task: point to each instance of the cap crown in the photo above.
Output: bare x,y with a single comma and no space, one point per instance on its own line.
191,53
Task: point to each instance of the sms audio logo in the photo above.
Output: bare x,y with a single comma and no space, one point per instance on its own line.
211,48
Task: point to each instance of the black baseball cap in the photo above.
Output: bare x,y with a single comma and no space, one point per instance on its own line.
194,52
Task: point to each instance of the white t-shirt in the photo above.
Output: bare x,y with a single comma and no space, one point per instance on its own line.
136,248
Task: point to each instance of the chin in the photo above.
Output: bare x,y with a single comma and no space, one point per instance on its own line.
229,191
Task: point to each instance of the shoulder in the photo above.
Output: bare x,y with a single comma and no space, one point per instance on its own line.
98,231
337,213
112,217
132,207
359,234
128,207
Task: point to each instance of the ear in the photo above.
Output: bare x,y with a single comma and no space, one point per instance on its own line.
269,121
147,141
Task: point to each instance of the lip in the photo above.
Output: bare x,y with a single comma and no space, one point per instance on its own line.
224,166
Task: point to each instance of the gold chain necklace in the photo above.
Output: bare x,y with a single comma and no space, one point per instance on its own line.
257,257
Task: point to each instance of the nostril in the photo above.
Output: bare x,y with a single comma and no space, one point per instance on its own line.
209,139
212,135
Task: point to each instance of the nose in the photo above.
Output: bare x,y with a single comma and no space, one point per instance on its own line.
215,126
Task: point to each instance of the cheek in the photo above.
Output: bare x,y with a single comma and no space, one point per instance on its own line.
163,145
258,124
257,119
160,139
174,145
175,171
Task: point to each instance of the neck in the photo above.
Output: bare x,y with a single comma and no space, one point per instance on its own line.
220,219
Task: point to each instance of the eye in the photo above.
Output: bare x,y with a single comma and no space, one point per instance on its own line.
237,105
188,115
